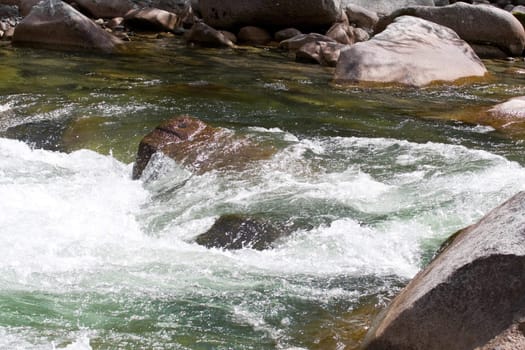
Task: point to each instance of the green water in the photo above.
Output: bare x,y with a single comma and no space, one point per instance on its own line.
383,175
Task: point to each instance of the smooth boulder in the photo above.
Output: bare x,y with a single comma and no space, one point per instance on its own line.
302,14
203,35
471,296
410,51
56,25
198,147
385,7
240,232
476,24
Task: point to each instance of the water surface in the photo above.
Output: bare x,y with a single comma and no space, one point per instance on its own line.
371,179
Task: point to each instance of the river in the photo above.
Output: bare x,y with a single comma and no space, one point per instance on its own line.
373,180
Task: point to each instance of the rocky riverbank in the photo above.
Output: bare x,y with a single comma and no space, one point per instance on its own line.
312,32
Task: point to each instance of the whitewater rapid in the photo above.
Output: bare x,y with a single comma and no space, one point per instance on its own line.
75,227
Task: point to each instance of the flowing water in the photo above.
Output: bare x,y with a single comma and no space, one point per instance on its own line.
371,180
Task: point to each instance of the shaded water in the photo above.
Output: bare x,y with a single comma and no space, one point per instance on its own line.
373,180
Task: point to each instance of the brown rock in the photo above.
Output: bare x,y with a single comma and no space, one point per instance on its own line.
321,52
471,296
302,14
204,35
26,6
254,35
477,24
330,53
197,146
152,19
286,34
411,51
56,25
309,53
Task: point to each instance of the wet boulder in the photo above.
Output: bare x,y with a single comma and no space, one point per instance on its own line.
56,25
240,232
105,8
152,19
471,296
198,147
302,14
410,51
203,35
385,7
254,35
476,24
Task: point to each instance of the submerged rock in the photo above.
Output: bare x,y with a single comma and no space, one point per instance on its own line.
239,232
471,296
477,24
56,25
410,51
198,146
303,14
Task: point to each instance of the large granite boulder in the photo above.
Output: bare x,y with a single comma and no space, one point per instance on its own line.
302,14
476,24
105,8
361,17
239,232
385,7
471,296
411,51
198,147
53,24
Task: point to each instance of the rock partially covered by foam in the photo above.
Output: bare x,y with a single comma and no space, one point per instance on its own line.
471,296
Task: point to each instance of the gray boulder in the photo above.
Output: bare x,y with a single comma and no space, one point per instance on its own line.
477,24
471,296
411,51
302,14
385,7
239,232
56,25
361,17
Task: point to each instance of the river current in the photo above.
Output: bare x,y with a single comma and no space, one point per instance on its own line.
372,180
